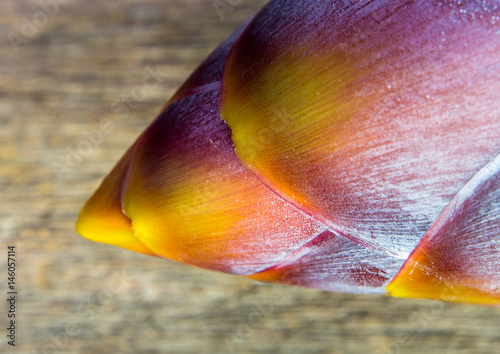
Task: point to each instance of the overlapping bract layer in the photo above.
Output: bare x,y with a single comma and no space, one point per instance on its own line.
459,256
190,199
373,122
318,144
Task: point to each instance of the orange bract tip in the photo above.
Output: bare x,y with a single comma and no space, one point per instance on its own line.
102,218
420,280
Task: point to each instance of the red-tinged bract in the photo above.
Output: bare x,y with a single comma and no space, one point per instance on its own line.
342,145
459,257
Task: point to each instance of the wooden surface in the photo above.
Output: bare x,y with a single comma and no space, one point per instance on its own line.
59,81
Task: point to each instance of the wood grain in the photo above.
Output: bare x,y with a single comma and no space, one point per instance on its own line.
58,82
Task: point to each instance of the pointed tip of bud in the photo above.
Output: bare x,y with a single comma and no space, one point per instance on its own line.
102,218
107,225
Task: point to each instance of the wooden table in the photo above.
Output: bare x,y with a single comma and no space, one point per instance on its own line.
61,69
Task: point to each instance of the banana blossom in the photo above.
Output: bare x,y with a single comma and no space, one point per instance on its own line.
349,146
